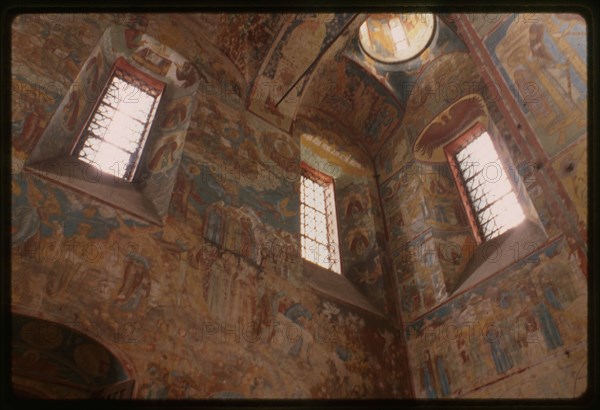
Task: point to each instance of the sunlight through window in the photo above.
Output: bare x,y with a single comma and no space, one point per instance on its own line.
486,181
115,136
318,221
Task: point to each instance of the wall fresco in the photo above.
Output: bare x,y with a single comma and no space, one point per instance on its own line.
430,94
571,167
519,320
356,207
342,90
528,328
213,304
74,364
278,87
542,57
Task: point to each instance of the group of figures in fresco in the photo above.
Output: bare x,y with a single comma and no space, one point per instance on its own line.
227,254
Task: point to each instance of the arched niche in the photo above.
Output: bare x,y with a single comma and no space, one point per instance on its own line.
53,361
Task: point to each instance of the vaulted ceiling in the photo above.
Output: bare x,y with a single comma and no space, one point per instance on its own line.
286,68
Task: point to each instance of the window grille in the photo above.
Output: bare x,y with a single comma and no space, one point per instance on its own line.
115,135
486,182
318,220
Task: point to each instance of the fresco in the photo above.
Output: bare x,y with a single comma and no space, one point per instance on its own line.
420,279
502,326
68,358
354,99
247,49
361,254
400,78
330,141
448,125
376,38
547,70
451,351
395,152
484,23
571,167
402,194
429,95
356,206
277,89
165,142
213,304
414,246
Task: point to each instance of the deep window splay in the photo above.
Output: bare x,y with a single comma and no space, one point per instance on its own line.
115,135
318,220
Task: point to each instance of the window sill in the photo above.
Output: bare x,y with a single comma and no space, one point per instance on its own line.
84,178
337,286
501,252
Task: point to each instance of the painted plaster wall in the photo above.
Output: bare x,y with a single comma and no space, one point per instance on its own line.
542,58
512,333
213,303
360,228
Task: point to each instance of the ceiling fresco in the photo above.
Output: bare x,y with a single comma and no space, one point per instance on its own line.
370,97
396,38
285,66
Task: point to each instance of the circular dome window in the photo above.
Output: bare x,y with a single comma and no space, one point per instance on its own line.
394,38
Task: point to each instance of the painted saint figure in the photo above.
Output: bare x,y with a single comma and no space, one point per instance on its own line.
442,376
502,360
218,289
548,327
213,230
136,281
427,377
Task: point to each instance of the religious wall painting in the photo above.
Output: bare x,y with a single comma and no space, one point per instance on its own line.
278,89
67,356
519,324
399,77
359,101
63,46
135,284
270,97
446,81
354,206
394,154
175,113
544,212
183,191
150,59
571,167
447,125
323,136
165,153
543,62
455,249
434,376
278,207
31,112
402,194
483,23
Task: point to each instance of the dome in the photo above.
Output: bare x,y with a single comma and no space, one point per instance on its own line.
394,38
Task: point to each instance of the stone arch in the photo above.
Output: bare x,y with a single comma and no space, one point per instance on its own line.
51,360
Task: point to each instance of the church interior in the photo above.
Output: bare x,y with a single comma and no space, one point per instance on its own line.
299,206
